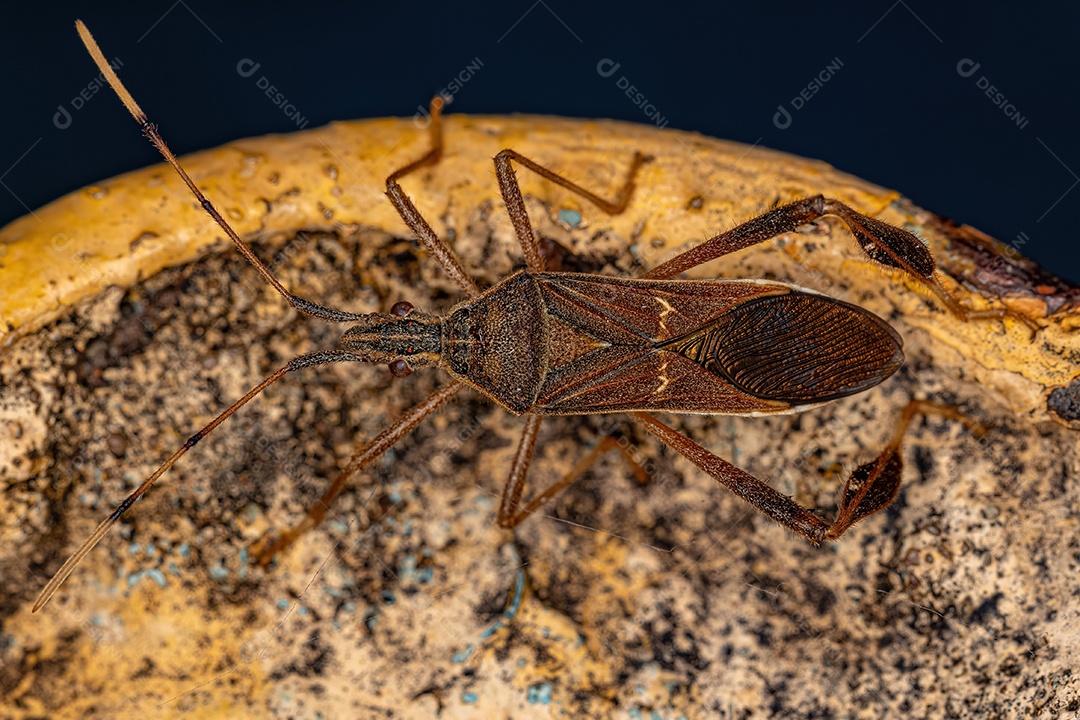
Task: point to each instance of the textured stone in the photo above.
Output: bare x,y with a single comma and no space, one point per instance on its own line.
671,597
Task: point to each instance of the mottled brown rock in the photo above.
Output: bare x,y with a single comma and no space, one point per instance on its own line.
128,322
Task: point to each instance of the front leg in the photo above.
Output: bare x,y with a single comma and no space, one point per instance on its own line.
265,548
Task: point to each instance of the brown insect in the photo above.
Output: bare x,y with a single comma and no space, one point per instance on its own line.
554,343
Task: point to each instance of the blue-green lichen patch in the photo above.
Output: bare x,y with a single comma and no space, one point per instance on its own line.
570,218
539,693
153,573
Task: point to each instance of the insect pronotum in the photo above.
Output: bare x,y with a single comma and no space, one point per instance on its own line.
554,343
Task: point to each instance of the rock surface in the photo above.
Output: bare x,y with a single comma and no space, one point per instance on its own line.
667,600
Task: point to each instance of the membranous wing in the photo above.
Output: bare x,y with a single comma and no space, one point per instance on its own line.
705,346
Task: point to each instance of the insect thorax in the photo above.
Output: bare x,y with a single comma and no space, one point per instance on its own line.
497,342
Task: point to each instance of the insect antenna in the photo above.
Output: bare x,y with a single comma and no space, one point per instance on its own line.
297,363
151,131
303,305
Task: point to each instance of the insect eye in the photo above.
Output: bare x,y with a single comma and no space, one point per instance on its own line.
401,308
400,369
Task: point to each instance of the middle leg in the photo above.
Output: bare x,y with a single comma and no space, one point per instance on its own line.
510,511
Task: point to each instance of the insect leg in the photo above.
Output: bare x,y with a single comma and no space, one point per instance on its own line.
434,153
519,470
515,203
266,547
769,501
412,217
873,486
512,513
887,245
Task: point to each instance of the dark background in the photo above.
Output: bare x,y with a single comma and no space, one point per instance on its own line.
896,113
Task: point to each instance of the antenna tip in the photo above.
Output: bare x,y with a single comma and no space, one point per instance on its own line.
41,601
